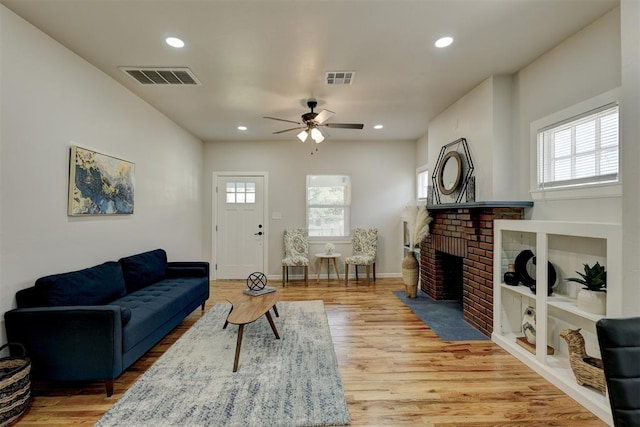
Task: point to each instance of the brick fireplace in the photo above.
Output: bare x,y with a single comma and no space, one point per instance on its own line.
461,237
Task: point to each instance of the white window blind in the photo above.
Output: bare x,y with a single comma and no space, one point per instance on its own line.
581,150
328,205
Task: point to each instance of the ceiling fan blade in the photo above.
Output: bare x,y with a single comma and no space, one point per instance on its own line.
282,120
323,116
287,130
345,125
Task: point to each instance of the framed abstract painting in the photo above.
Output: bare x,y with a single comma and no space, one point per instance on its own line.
99,184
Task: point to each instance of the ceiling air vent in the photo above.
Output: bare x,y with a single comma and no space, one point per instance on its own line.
340,77
162,76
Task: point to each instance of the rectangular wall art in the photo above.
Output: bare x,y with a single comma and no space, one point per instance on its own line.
99,184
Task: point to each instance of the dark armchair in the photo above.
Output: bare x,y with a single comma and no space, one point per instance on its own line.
619,341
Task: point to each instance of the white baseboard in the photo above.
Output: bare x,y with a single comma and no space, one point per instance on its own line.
278,277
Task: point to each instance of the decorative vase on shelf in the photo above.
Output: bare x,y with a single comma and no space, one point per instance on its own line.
594,302
410,275
511,277
529,324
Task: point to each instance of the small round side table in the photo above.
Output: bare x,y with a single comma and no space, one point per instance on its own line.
325,256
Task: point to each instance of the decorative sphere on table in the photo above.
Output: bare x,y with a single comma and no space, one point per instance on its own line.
256,281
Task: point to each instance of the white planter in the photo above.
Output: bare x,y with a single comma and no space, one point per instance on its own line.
592,302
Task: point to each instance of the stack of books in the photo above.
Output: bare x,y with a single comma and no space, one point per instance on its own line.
257,292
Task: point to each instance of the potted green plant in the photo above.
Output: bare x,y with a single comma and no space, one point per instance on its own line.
592,298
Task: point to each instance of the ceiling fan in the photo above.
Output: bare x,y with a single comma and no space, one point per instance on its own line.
312,121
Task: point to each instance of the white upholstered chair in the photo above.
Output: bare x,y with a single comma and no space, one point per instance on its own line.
296,253
365,243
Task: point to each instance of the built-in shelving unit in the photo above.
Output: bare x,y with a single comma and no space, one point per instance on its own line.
567,245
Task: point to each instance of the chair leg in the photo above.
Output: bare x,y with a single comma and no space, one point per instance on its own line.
284,268
356,267
374,271
346,274
306,275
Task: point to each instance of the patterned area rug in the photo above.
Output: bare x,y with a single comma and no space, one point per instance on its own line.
293,381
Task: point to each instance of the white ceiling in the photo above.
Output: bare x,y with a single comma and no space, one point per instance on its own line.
265,57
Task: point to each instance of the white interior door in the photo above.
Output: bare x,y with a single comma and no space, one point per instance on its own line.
240,227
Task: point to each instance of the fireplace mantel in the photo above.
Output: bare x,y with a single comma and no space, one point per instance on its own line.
480,205
465,230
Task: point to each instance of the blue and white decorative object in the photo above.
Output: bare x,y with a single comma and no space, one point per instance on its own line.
529,324
328,248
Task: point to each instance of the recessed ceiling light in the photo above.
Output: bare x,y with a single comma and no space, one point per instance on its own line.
174,42
242,128
444,42
378,127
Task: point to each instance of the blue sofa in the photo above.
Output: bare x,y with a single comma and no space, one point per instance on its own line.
92,324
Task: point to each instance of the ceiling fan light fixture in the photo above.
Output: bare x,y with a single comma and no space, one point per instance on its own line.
316,135
302,136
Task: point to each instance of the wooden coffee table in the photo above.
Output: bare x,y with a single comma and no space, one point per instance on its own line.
247,309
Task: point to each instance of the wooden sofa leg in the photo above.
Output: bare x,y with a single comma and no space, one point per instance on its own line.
109,386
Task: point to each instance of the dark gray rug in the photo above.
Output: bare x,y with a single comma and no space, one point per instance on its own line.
443,317
293,381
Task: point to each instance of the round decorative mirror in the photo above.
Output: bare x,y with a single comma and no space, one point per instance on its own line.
450,173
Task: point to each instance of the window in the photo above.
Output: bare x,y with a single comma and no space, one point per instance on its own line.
328,205
580,150
241,192
422,183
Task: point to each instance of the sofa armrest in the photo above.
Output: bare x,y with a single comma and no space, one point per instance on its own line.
188,269
69,342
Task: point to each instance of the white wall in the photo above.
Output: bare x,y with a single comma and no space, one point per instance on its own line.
483,117
630,155
51,99
382,178
583,66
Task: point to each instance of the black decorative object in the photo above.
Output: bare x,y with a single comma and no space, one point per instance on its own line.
256,281
455,159
521,269
511,277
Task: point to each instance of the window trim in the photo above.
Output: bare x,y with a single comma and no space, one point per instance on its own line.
335,239
584,191
420,170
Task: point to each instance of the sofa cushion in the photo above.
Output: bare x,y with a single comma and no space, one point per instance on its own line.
143,269
152,306
91,286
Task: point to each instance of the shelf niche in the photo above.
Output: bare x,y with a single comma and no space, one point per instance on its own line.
567,245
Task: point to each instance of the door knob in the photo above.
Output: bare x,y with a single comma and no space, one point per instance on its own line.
259,233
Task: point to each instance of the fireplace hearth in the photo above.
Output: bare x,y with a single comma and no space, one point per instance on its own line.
456,259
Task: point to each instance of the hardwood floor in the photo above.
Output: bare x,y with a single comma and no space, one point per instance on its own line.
395,370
